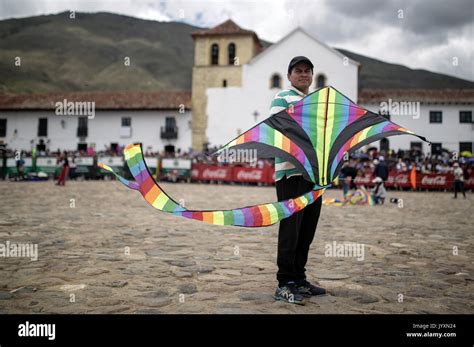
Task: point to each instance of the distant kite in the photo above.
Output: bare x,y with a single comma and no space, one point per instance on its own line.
314,134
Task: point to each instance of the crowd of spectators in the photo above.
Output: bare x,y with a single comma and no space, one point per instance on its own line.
362,161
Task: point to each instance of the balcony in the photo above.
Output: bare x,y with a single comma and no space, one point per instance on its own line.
169,133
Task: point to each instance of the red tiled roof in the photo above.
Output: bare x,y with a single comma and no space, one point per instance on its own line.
162,100
229,27
443,96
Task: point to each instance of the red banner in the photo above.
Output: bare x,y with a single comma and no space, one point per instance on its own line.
248,174
434,181
270,175
423,181
205,172
401,179
266,175
469,183
365,180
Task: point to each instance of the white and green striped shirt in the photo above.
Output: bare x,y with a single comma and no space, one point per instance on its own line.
281,101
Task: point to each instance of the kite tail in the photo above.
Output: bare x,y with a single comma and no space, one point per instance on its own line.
131,185
250,216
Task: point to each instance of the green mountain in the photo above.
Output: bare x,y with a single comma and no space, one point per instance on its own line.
88,53
376,74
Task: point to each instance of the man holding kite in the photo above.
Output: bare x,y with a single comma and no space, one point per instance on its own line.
295,233
314,134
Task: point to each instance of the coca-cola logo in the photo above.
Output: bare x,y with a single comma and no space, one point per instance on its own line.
249,175
362,180
434,180
214,173
402,179
470,180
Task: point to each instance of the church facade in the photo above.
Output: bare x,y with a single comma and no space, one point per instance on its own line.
229,97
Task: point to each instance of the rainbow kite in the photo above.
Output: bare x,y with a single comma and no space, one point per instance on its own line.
315,134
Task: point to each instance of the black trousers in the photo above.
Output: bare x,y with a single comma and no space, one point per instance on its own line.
296,232
459,187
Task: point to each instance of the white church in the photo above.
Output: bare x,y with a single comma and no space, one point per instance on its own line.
442,116
239,108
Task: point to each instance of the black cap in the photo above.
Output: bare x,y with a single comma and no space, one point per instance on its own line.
297,60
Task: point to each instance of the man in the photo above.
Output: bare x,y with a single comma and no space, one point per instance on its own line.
458,180
3,151
64,170
381,169
296,232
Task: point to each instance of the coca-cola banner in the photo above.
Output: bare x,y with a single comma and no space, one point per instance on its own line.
204,172
434,181
266,175
401,179
423,181
365,180
270,175
248,174
469,183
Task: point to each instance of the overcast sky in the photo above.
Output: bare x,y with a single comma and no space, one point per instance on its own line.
436,35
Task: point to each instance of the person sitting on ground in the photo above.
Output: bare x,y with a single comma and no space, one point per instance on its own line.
378,192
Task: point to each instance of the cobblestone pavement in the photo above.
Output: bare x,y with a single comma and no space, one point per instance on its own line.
107,251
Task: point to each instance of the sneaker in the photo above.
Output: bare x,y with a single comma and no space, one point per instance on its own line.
307,289
289,293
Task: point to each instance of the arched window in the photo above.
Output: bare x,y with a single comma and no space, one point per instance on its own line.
214,54
275,81
320,80
224,83
231,53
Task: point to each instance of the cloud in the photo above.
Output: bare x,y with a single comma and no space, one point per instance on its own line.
419,34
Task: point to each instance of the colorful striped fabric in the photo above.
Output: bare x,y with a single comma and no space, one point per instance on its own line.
323,115
358,197
366,134
314,134
251,216
263,133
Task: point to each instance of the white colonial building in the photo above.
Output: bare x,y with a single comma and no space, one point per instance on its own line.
444,117
159,120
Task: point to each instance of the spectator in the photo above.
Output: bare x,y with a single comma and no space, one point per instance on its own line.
381,169
64,170
20,166
378,192
401,166
458,180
